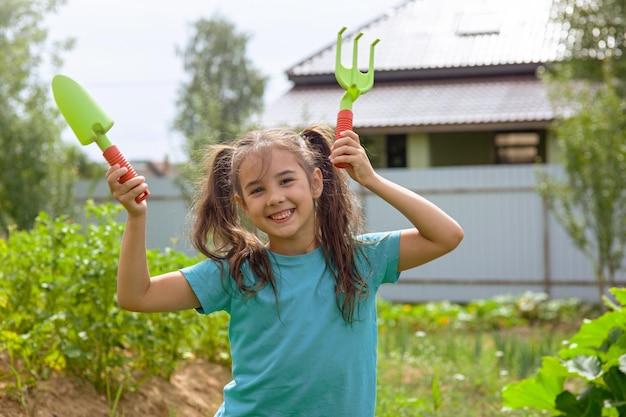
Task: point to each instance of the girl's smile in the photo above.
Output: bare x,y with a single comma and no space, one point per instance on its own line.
282,216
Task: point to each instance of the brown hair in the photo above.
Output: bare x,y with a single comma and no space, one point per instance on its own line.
218,232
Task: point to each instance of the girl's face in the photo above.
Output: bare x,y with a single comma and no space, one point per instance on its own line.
278,198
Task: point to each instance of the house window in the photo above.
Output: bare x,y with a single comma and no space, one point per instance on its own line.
396,151
518,147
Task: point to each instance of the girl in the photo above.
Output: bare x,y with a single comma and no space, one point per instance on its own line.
302,302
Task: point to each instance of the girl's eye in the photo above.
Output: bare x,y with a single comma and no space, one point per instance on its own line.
256,190
286,180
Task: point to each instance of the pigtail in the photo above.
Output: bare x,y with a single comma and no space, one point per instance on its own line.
339,221
216,210
217,221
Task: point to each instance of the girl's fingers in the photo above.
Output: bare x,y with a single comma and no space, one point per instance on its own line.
134,186
347,147
348,151
347,144
127,192
136,190
348,154
114,173
348,137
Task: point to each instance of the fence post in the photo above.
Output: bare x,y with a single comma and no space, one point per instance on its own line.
547,286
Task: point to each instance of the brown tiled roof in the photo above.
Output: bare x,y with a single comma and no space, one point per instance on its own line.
501,100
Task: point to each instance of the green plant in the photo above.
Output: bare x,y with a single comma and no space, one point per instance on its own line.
472,350
594,359
499,312
58,310
520,355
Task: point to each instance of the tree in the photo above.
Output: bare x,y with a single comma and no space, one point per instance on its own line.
224,89
590,202
588,93
35,168
595,34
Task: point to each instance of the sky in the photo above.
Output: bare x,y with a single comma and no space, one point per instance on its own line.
125,55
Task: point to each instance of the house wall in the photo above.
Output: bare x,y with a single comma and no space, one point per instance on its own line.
418,150
512,243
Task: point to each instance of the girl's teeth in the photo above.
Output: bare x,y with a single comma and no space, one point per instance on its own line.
282,215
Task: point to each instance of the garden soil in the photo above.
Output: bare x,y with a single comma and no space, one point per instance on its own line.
195,390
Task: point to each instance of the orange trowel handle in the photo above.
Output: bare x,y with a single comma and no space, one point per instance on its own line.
113,156
344,122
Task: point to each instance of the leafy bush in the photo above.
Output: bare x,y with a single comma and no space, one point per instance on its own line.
587,377
58,309
500,312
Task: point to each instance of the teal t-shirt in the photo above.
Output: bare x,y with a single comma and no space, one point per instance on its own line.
300,358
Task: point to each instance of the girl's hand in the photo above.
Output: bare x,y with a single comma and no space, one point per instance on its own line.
127,192
348,150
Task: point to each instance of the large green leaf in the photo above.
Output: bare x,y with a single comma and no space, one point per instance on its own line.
568,403
538,392
620,295
592,334
615,381
588,404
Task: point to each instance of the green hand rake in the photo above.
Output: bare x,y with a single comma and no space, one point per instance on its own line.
353,81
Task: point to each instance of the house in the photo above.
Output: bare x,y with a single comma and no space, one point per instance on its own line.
458,114
153,169
455,84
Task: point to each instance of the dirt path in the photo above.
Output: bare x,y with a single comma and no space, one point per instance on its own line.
195,390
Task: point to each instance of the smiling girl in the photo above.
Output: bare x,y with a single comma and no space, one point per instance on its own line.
302,301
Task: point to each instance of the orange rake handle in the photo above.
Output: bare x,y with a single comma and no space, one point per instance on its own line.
344,122
113,156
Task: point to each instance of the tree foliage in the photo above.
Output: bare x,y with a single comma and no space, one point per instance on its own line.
591,201
223,90
34,163
588,94
595,34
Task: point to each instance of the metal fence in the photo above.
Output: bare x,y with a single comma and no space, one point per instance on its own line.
512,243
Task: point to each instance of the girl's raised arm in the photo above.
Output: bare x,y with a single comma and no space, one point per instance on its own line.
435,232
136,291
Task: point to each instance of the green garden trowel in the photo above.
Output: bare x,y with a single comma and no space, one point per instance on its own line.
90,123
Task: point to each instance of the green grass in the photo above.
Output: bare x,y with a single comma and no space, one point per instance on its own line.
452,373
